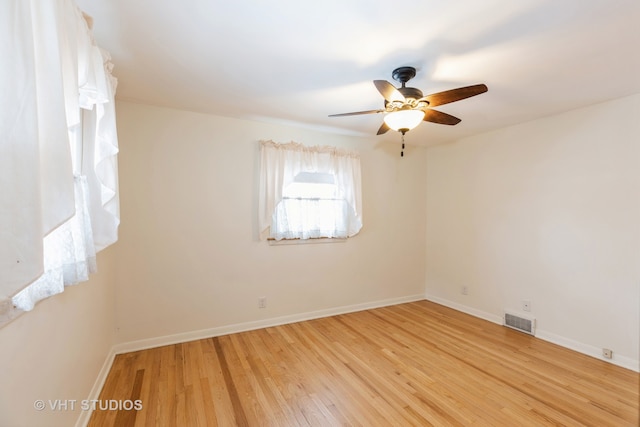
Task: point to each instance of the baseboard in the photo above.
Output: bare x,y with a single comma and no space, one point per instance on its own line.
84,417
622,361
465,309
128,347
589,350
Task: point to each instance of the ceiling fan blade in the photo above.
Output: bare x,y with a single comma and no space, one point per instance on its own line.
439,117
383,129
453,95
356,113
388,91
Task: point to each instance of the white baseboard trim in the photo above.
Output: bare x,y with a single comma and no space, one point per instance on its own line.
465,309
84,417
144,344
589,350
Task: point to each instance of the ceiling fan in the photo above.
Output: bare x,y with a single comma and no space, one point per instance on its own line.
406,107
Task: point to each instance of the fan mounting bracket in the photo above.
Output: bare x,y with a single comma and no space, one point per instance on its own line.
403,74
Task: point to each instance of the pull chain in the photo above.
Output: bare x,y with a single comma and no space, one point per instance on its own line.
402,151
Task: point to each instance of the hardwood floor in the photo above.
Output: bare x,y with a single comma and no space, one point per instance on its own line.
410,364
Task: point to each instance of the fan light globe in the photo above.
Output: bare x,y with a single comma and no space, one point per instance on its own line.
404,120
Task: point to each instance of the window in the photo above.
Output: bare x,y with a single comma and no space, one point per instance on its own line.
309,192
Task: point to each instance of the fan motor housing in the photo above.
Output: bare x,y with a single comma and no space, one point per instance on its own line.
410,92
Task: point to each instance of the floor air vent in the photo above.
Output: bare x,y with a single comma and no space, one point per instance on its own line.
520,323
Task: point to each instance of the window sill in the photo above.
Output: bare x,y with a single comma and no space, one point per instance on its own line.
274,242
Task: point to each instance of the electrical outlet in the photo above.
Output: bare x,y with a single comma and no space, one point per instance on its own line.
262,302
464,290
526,305
607,353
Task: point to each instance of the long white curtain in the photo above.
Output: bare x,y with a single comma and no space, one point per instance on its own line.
52,70
69,254
279,166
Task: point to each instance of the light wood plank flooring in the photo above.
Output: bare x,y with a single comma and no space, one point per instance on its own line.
410,364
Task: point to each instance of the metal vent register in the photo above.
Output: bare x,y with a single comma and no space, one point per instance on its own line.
520,323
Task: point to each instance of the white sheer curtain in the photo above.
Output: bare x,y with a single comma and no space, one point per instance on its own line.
52,71
69,254
281,217
313,218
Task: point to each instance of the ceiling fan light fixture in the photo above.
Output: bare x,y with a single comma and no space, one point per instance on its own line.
404,120
405,107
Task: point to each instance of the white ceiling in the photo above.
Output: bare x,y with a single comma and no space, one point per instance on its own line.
296,62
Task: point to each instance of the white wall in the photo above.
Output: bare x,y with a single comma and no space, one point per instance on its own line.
57,351
189,257
546,211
